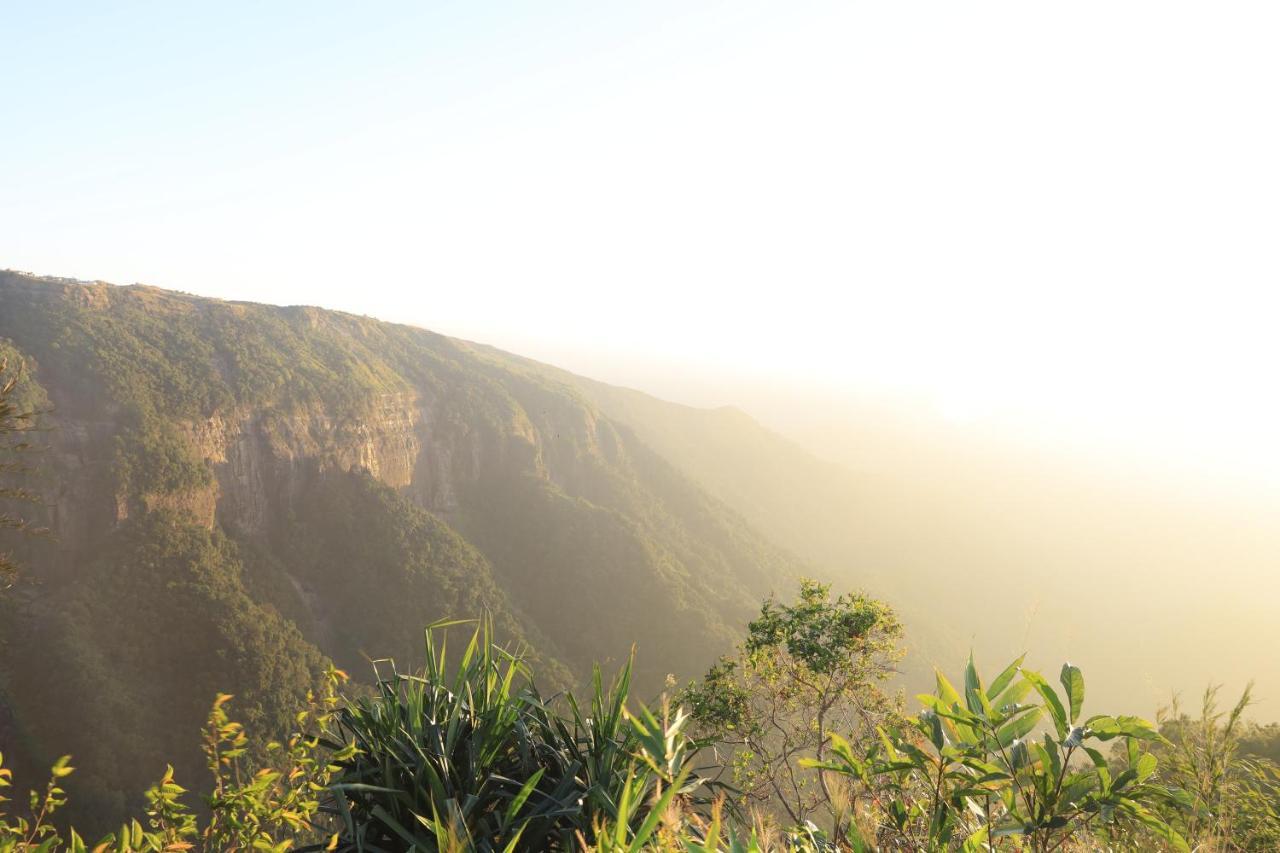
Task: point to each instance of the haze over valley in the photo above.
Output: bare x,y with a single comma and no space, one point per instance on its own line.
723,426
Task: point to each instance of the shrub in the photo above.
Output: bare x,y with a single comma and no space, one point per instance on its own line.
968,771
470,756
1229,798
274,807
807,669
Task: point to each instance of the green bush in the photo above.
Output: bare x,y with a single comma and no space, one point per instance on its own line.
469,756
807,669
265,805
969,772
1229,785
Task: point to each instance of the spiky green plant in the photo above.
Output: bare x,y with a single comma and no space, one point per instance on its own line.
468,755
661,803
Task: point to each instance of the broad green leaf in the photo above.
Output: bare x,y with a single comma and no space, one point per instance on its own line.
1051,752
1051,699
518,801
1158,826
936,735
946,692
1018,727
976,842
1073,683
1002,680
1146,766
1011,695
1106,728
1123,780
1099,760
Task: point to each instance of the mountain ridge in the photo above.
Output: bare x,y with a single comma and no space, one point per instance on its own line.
278,458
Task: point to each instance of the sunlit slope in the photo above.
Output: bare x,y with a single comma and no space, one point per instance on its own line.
833,519
1153,581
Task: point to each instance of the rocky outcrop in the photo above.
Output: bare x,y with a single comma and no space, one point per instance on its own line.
261,458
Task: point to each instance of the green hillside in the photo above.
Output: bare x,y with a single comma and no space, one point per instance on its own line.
268,488
1053,546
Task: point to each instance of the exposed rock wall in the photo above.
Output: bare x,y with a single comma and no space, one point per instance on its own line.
262,458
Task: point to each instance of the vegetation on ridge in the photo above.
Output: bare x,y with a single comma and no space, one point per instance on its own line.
466,754
22,402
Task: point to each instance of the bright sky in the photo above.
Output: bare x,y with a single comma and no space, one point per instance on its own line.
1068,211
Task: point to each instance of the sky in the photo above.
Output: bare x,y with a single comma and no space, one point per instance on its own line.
1063,215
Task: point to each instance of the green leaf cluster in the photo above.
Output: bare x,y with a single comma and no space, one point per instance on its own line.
970,770
469,755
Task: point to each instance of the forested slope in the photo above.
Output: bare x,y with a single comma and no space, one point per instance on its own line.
239,492
993,542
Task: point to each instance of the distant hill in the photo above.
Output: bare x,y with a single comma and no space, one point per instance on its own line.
1153,579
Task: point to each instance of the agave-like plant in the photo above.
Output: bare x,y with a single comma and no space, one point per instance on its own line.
468,755
662,804
447,759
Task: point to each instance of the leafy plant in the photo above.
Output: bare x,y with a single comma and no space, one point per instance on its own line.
277,804
273,807
806,670
968,770
1229,799
468,755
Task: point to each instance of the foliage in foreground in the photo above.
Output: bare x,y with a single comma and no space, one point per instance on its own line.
806,671
1229,786
271,806
471,756
467,755
969,771
462,757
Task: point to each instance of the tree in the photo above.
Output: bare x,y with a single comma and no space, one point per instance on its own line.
18,418
806,670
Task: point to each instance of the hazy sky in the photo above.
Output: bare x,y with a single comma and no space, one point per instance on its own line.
1066,211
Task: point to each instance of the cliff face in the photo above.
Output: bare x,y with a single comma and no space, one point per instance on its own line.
262,459
434,441
358,480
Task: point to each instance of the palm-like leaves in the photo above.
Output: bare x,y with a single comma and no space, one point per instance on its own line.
468,755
